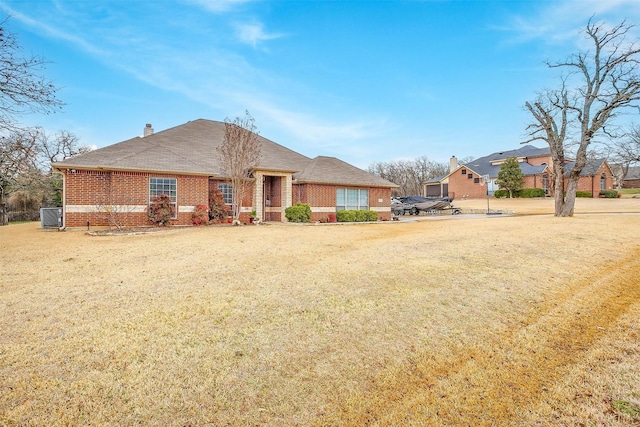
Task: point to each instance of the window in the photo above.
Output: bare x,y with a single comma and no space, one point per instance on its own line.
352,199
225,189
464,171
470,176
476,180
168,186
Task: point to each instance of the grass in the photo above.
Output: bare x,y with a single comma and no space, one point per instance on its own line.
629,191
444,322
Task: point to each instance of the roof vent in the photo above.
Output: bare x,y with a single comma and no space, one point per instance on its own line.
148,130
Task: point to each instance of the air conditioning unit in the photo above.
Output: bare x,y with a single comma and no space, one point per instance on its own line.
51,217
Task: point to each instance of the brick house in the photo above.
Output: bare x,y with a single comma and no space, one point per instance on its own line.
466,181
121,179
632,178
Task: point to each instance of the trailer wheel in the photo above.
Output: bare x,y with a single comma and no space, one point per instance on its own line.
414,211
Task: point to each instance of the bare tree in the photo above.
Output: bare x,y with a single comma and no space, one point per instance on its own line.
550,113
238,155
22,89
409,175
626,151
607,82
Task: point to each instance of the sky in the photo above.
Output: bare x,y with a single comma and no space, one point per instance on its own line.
363,81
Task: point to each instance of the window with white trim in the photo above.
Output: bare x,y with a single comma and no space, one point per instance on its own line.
225,189
352,199
168,186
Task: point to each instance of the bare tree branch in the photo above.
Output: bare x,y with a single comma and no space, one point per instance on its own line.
22,89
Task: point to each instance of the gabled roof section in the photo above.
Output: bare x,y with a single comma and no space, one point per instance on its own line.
590,169
329,170
633,173
189,148
489,165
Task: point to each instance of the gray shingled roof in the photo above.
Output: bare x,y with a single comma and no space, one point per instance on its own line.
191,149
633,172
483,166
590,169
329,170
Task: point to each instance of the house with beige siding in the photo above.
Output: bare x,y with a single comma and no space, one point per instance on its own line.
121,179
466,180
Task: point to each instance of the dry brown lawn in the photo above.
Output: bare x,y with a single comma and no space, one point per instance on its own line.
463,321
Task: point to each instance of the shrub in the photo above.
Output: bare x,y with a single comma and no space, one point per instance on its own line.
161,210
217,207
531,192
200,215
583,194
356,216
300,212
524,193
610,194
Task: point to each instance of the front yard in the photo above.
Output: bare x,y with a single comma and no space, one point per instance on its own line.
523,320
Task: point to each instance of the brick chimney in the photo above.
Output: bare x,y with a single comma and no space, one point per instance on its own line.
148,130
453,164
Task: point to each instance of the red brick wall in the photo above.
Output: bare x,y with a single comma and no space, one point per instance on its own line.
539,161
247,200
591,184
322,195
460,186
98,190
631,183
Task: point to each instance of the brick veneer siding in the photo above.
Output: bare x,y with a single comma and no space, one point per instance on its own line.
631,183
322,199
247,203
461,186
592,184
97,196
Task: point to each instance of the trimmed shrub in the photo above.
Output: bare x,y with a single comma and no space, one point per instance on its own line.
300,212
531,193
346,216
610,194
356,216
524,193
217,207
583,194
200,215
161,210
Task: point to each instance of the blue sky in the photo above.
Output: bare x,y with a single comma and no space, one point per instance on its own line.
364,81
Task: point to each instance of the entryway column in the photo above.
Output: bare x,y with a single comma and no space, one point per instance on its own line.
258,194
287,196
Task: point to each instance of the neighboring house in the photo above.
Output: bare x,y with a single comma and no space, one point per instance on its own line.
478,178
632,178
121,179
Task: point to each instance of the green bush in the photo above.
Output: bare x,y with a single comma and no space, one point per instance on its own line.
610,194
524,193
530,193
300,212
583,194
356,216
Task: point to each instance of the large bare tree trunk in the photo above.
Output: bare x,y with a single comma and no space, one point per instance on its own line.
558,186
570,199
